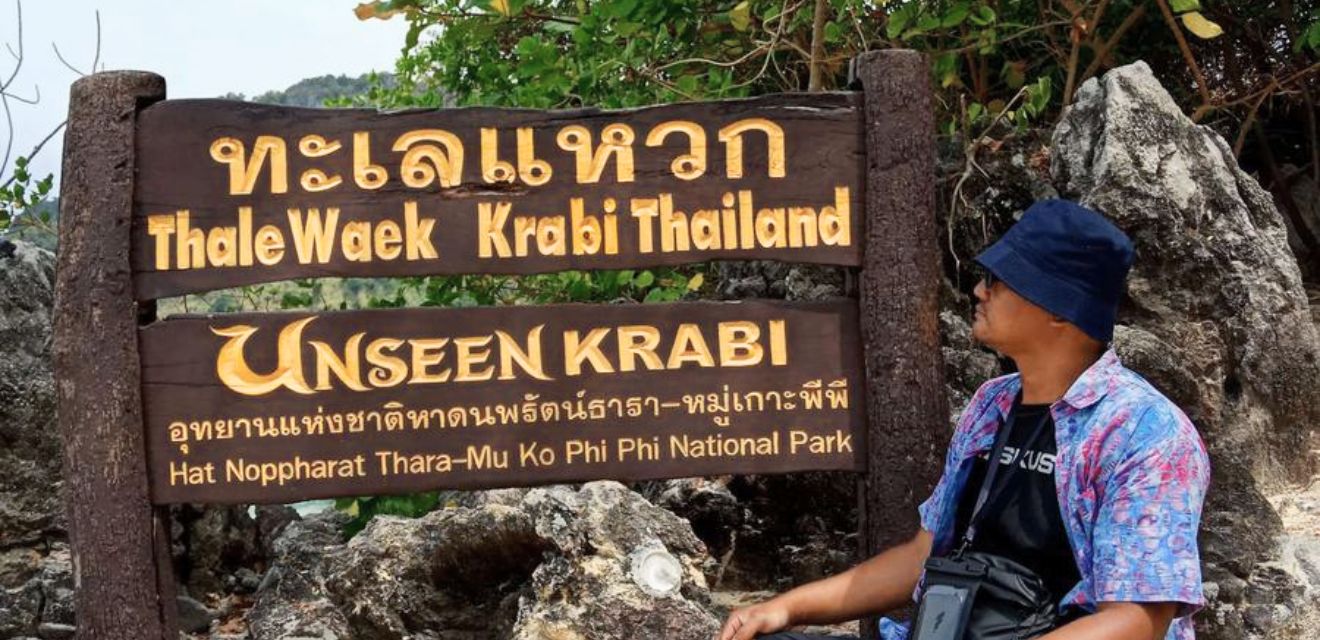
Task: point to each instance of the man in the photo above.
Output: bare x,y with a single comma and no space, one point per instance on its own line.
1104,506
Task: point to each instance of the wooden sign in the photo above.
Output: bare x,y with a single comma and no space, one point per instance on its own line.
234,193
162,198
291,406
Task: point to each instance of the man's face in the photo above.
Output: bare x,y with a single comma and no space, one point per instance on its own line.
1005,321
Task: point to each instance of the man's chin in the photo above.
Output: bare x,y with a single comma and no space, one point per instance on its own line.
979,332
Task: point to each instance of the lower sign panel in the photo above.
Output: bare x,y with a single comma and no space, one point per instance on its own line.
280,407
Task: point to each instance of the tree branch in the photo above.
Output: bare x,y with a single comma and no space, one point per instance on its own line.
1186,51
36,150
814,81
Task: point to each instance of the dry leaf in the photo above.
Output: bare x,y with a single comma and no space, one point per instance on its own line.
1198,24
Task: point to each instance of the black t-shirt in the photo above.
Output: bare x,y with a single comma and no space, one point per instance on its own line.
1023,522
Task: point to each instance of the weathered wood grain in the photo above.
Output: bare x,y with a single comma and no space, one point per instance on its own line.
807,407
96,365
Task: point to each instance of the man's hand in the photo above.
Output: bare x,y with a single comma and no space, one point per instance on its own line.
879,584
748,622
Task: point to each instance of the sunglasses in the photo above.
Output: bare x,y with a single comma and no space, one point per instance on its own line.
987,276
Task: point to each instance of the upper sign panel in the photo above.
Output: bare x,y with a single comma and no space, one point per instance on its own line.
230,193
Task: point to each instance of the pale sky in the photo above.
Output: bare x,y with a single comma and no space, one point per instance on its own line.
204,49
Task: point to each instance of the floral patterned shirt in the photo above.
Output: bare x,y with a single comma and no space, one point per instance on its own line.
1131,474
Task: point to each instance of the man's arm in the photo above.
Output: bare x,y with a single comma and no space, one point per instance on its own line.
1119,621
879,584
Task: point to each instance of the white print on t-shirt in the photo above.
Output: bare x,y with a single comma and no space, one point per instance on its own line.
1029,460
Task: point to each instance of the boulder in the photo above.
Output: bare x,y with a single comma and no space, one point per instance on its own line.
212,544
1216,317
292,601
1304,194
36,580
30,500
597,562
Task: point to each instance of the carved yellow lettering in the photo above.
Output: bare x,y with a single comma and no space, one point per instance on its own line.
428,352
355,243
577,351
470,354
639,341
365,174
491,218
160,227
269,245
313,236
348,369
389,370
388,240
689,346
739,346
417,233
232,368
243,171
529,359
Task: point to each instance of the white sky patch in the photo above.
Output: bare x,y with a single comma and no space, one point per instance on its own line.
203,49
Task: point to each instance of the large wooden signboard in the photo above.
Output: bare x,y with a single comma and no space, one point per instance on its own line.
235,194
163,198
281,407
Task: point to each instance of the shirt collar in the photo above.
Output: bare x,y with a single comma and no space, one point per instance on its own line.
1085,391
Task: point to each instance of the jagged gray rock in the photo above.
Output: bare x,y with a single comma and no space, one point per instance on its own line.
1218,320
212,544
522,564
36,583
291,601
29,441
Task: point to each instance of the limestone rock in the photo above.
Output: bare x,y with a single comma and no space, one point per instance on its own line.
1212,262
1217,318
292,601
545,562
215,541
29,440
1305,193
39,594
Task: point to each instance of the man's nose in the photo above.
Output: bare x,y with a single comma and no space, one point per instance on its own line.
980,291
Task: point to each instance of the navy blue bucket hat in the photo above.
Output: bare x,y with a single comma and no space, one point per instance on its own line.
1068,260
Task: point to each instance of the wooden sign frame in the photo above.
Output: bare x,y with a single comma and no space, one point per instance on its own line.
125,587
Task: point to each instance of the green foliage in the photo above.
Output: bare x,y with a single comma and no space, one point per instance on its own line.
998,68
622,53
20,195
363,509
1310,38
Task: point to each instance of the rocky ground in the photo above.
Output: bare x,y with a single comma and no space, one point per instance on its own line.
1217,317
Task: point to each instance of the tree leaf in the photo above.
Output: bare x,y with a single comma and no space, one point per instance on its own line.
1181,6
380,10
974,111
956,15
984,16
833,32
899,20
696,282
1014,73
740,16
1199,25
501,7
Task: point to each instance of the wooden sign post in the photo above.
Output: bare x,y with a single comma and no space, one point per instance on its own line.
165,198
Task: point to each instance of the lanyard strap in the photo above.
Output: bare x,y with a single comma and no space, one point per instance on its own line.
988,482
